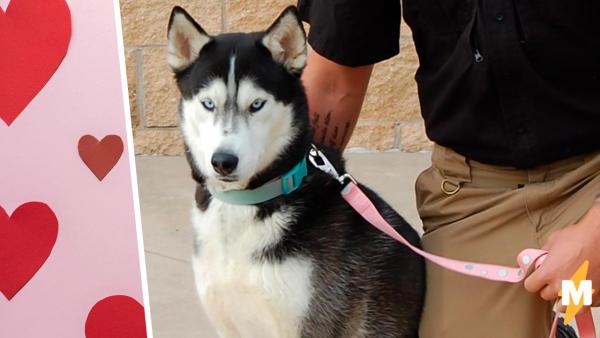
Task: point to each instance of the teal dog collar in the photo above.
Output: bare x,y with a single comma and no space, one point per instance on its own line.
284,185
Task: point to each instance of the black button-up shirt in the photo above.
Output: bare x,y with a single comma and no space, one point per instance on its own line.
509,82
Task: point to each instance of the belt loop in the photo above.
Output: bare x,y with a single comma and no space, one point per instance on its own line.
456,170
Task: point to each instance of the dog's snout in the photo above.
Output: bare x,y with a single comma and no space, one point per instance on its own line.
224,163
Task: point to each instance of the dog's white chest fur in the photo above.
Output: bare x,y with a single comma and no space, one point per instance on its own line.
244,297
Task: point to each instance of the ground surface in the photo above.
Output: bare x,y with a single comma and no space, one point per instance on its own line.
166,196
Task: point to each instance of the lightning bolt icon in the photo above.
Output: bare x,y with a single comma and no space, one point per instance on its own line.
572,308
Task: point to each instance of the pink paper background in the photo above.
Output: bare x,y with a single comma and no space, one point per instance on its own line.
96,253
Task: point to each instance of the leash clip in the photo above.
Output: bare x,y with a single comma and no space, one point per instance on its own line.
321,162
342,179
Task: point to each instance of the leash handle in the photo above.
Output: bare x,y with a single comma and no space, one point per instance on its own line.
526,258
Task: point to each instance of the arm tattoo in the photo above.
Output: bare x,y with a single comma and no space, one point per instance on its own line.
327,133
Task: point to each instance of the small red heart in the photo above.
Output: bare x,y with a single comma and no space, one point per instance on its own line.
116,317
100,156
26,240
34,38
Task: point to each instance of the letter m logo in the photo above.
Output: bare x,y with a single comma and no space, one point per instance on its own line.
572,295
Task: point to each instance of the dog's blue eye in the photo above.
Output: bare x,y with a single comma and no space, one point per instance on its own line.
257,105
208,104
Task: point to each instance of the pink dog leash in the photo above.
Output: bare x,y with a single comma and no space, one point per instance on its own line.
526,259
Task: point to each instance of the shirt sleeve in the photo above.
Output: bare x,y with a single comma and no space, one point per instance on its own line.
353,32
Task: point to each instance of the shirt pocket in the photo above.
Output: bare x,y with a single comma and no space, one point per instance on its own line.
562,27
579,15
439,16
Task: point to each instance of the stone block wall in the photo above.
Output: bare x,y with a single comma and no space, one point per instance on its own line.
390,118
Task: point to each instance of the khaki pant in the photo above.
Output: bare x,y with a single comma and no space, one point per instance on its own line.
489,214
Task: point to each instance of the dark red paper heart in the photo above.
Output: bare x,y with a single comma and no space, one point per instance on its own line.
100,156
26,240
34,38
116,317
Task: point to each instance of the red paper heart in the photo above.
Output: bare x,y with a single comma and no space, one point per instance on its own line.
100,156
34,38
116,317
26,240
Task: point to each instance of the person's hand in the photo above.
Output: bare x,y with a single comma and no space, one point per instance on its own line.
567,250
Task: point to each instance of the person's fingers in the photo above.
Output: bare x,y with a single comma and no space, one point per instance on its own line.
542,276
536,281
550,292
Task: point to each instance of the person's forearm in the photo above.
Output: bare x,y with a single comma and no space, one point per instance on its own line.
335,97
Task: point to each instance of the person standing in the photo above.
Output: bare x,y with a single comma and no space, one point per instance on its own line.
510,94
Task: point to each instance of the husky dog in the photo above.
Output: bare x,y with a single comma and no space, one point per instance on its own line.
302,264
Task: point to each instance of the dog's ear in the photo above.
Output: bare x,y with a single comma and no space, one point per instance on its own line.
185,39
286,40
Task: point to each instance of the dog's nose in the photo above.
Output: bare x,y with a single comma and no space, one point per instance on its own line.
224,163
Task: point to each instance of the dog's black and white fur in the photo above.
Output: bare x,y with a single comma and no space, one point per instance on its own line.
300,265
